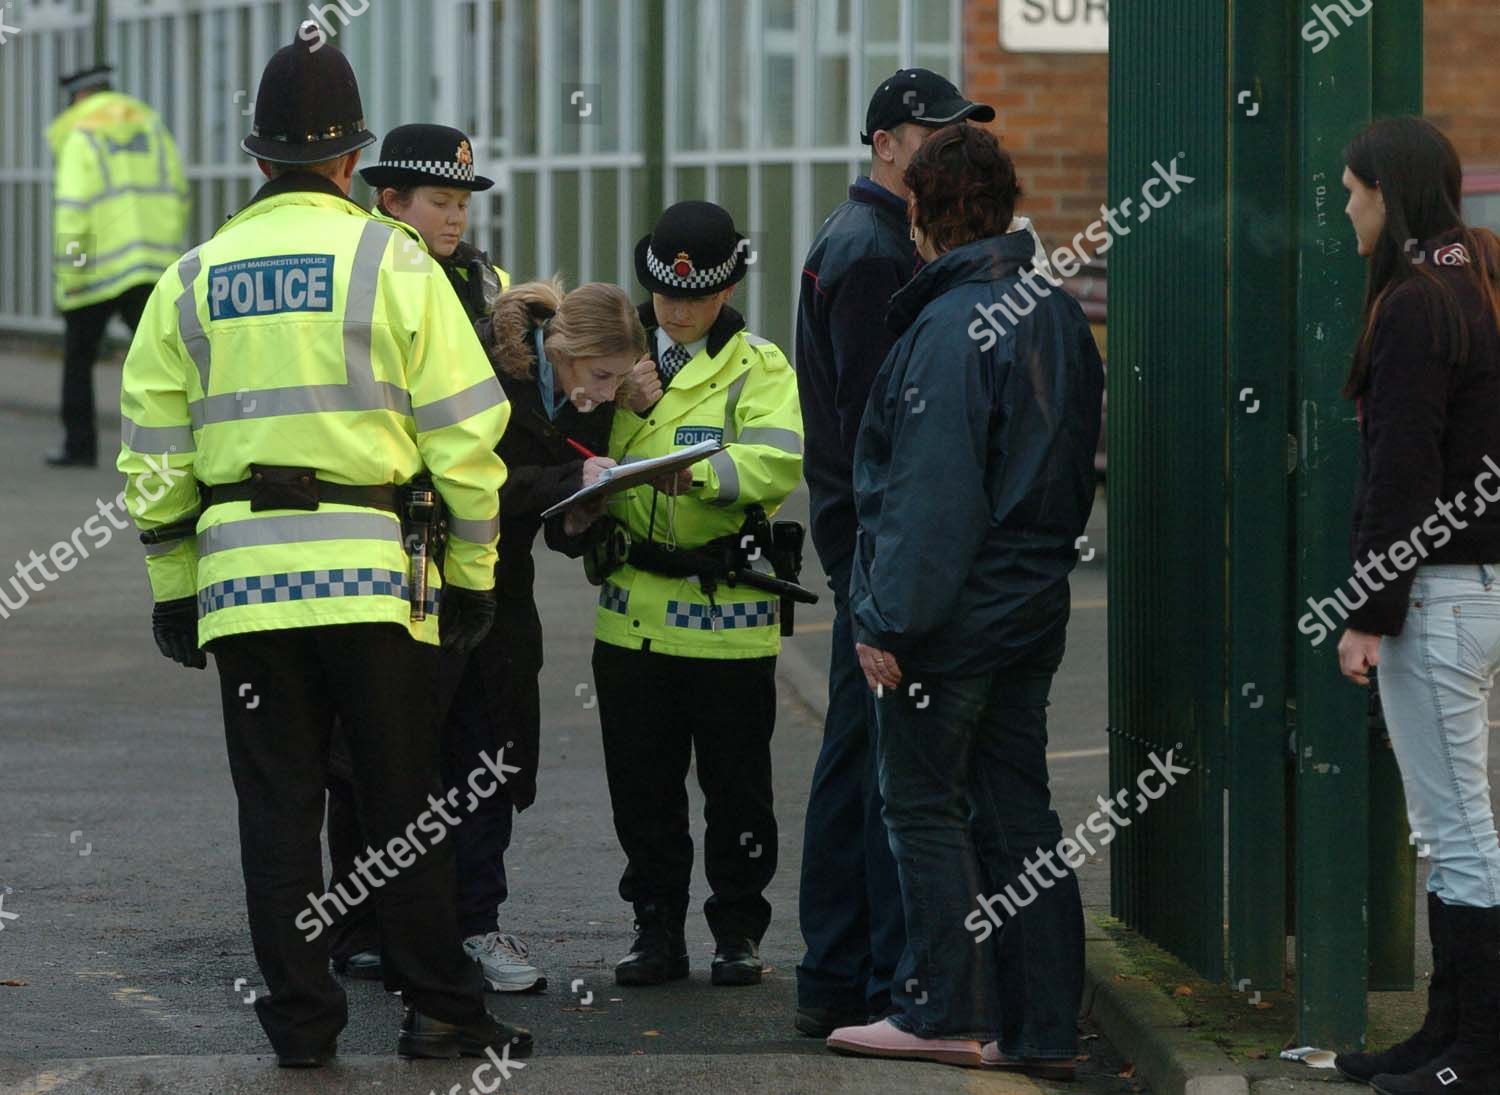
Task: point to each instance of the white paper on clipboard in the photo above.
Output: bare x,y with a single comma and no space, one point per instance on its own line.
636,472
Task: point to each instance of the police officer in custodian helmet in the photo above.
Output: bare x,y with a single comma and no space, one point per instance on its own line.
305,397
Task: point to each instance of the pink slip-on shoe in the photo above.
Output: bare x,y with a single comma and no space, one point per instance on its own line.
885,1039
1041,1068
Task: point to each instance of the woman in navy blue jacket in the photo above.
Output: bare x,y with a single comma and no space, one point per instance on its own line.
974,476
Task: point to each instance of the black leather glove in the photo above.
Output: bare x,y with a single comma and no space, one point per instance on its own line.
175,625
465,617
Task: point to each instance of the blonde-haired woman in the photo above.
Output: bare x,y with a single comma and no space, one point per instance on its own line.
561,358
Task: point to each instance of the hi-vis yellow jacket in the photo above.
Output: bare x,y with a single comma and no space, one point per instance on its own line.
307,333
740,390
120,199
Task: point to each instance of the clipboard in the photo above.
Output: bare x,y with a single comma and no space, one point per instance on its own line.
635,473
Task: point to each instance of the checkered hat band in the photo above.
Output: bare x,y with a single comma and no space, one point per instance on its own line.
447,169
711,278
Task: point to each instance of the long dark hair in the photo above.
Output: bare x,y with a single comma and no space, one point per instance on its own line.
1421,178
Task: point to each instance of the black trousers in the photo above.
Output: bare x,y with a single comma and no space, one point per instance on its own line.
83,331
480,699
656,711
282,691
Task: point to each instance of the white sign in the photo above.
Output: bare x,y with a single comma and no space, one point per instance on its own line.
1055,26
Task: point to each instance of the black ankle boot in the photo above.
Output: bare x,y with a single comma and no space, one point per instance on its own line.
1441,1025
1471,1065
659,953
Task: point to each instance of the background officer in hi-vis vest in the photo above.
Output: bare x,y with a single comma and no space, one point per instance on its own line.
686,662
120,208
305,366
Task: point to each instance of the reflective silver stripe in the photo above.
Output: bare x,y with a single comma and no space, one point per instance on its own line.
311,399
475,532
729,477
189,326
298,528
155,269
359,303
731,404
115,193
103,161
455,408
756,340
155,440
162,549
776,438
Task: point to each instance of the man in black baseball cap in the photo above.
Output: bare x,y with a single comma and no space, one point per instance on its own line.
920,96
850,896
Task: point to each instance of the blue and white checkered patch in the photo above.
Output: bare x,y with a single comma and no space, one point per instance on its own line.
613,598
307,585
721,617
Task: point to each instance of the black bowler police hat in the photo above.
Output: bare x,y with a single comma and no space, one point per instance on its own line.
922,96
693,251
308,108
425,155
88,79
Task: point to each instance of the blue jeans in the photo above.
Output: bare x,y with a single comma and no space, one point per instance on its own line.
1435,680
963,768
849,902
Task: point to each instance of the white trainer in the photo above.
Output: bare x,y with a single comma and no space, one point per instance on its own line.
502,959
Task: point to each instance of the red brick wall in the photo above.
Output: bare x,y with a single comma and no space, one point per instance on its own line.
1051,113
1052,107
1462,76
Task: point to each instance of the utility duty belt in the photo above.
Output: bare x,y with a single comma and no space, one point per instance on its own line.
727,560
424,525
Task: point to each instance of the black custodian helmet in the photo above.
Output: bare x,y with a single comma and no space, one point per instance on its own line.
308,108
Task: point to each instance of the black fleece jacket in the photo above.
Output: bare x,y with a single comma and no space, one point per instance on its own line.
1429,446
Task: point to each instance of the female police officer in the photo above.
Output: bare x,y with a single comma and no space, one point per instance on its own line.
681,664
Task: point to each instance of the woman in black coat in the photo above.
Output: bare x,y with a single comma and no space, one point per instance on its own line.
1424,602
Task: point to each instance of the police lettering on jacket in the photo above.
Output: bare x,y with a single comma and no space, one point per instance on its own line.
268,287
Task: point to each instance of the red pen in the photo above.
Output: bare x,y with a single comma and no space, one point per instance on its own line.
579,448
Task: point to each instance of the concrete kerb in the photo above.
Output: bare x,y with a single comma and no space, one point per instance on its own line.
1146,1027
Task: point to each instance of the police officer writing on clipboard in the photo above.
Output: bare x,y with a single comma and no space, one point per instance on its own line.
304,366
683,663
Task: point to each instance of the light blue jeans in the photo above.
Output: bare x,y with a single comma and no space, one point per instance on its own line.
1435,680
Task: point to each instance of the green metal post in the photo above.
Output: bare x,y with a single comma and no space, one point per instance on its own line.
1331,739
1397,50
101,25
654,109
1262,338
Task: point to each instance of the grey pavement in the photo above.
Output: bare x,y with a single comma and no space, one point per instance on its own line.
119,876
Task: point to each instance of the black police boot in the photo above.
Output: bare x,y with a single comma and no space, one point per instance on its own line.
659,953
424,1036
1440,1027
737,962
1471,1065
364,966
